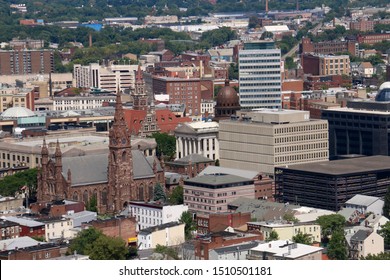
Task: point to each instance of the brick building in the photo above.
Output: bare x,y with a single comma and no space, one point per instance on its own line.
202,247
185,91
372,39
219,222
28,227
315,64
362,25
43,251
26,62
119,226
9,229
327,81
327,47
190,165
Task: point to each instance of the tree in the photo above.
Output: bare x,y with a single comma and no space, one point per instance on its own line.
380,256
385,233
166,144
290,64
159,193
273,235
176,197
267,35
303,238
132,253
233,71
108,248
186,218
92,204
386,206
12,184
330,224
217,162
290,218
83,242
168,252
337,248
254,22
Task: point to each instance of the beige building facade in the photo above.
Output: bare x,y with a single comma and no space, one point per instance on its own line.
334,65
264,139
170,234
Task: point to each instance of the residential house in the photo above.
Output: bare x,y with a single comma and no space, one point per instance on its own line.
365,204
234,252
9,230
28,227
58,228
150,214
366,69
287,230
364,242
209,223
41,251
375,222
169,234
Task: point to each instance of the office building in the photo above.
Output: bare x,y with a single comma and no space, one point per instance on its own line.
329,185
263,139
22,62
362,127
260,75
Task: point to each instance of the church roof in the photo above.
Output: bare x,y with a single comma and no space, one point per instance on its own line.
92,169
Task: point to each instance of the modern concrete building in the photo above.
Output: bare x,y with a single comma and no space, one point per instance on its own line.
197,138
264,139
260,75
212,193
109,78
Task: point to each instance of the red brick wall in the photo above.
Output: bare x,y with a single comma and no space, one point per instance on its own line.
116,227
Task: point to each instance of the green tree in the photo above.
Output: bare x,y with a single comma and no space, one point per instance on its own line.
132,253
290,218
190,226
166,144
176,197
10,185
290,64
330,224
168,252
92,204
385,233
254,22
267,35
386,206
159,193
84,241
273,235
380,256
337,247
108,248
233,71
217,162
303,238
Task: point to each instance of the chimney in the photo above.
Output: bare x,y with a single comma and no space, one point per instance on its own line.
90,39
266,6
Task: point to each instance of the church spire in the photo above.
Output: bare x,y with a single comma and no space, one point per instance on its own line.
139,74
44,150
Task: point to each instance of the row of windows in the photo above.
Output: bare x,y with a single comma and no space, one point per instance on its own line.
260,102
259,90
297,138
301,157
258,61
311,127
260,55
141,211
254,73
305,147
259,78
258,84
260,67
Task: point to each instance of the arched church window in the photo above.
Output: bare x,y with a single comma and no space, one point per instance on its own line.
75,196
141,192
104,196
124,156
85,197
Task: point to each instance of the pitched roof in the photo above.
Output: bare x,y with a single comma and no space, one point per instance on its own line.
20,242
194,158
92,169
362,200
24,221
360,235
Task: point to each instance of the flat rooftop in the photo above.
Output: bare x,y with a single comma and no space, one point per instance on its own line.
344,166
216,180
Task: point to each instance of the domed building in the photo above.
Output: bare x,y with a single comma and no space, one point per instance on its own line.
228,102
17,112
383,94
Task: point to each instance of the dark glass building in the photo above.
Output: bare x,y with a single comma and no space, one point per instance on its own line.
361,128
328,185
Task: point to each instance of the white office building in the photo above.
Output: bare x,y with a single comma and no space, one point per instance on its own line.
260,75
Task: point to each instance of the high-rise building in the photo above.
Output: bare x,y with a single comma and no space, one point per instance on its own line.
26,62
260,75
264,139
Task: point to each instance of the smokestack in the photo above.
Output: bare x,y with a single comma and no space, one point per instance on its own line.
90,39
50,86
297,5
266,6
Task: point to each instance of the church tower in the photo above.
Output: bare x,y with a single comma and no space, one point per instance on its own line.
42,188
140,98
58,191
121,187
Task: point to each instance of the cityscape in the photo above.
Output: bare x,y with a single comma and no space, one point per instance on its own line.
210,130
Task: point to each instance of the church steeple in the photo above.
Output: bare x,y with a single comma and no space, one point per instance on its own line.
140,98
121,187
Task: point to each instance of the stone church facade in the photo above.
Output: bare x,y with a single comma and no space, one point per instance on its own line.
115,179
